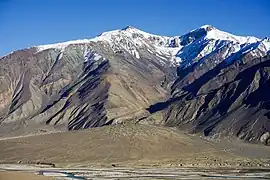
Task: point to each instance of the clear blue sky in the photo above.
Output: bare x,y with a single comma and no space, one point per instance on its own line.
25,23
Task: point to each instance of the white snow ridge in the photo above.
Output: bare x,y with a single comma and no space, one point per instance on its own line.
178,50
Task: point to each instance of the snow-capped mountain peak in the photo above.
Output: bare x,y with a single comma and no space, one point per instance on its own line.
129,27
184,50
208,27
211,32
127,32
205,31
221,35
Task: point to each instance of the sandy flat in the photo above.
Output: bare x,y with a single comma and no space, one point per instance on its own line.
21,176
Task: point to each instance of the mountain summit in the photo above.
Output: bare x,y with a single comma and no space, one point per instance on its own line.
207,81
206,39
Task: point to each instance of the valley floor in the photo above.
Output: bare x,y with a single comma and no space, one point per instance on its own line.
10,175
24,172
129,149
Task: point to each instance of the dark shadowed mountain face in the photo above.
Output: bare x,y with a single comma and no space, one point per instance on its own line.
226,100
205,81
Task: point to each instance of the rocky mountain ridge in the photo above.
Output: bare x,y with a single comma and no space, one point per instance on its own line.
197,81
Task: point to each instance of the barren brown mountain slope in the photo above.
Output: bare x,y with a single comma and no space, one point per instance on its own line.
206,81
53,90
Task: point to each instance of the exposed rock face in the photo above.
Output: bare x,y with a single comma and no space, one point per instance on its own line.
53,88
176,42
265,138
225,100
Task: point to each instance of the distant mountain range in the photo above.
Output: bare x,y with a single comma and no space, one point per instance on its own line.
206,81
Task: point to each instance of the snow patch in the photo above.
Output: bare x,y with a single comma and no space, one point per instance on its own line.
97,57
266,44
62,45
161,57
60,55
150,51
221,35
135,53
90,55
